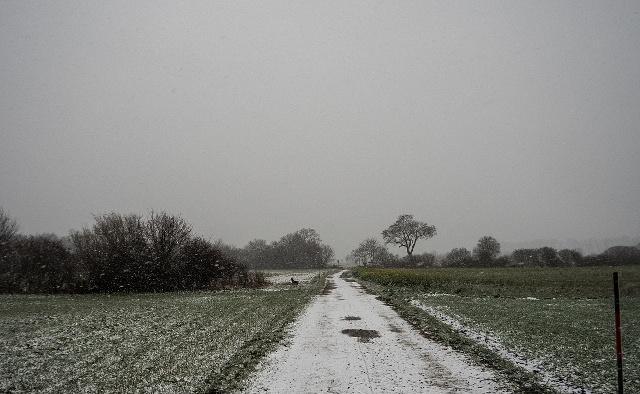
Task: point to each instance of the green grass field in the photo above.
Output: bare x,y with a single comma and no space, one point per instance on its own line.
171,342
588,282
562,317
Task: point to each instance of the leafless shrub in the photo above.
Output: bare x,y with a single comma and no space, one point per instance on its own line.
8,229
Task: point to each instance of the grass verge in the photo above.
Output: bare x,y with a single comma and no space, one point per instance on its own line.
234,374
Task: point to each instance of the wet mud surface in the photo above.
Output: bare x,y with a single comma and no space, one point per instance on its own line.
361,334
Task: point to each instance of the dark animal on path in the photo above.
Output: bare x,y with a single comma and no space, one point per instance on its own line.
294,282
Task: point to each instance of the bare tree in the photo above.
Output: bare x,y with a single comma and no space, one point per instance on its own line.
8,228
166,235
304,248
525,257
570,257
256,253
406,232
369,250
458,257
487,249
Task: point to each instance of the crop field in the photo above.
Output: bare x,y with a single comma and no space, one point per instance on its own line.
171,342
589,282
560,318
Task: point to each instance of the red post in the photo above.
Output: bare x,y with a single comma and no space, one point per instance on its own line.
616,295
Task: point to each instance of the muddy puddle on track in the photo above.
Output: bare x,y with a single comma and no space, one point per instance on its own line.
351,318
362,335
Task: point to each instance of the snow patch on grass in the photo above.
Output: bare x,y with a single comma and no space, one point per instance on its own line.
284,276
439,294
494,343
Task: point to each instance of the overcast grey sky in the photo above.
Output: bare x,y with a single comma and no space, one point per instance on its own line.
254,119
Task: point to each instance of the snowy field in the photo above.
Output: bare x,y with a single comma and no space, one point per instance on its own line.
279,277
171,342
568,341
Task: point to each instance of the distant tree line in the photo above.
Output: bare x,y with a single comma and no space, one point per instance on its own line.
118,253
550,257
373,253
406,231
300,249
487,254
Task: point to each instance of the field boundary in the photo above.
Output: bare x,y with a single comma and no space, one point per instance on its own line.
244,362
233,375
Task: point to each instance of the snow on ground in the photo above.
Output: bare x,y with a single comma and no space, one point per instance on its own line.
348,341
494,343
284,276
136,343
